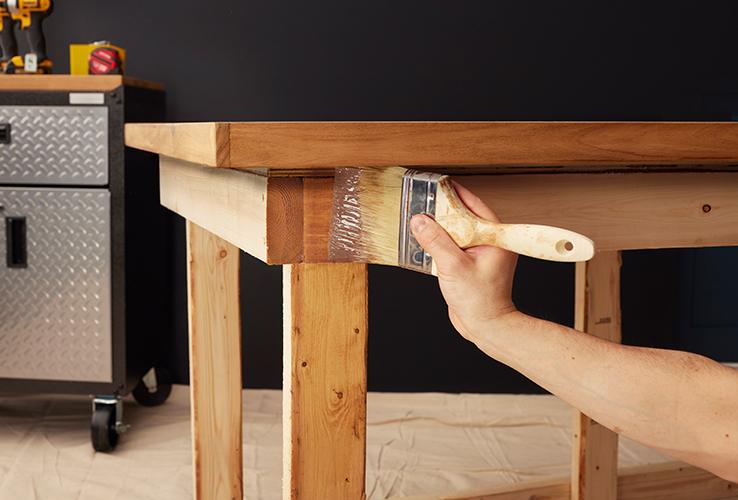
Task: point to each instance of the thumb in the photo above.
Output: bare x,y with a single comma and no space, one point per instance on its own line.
436,241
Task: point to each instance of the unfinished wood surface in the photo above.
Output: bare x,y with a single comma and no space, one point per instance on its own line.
325,341
667,481
226,202
261,216
202,143
620,211
597,296
557,488
73,82
673,481
215,364
308,145
597,312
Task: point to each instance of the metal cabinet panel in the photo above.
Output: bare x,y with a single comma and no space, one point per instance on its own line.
59,145
55,311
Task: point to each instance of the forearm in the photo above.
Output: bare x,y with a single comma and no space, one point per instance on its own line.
679,403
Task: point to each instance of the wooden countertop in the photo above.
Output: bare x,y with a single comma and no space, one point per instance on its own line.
73,82
298,148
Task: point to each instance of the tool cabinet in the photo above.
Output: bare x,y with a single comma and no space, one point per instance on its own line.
84,304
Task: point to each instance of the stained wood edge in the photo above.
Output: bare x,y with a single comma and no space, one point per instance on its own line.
282,147
298,220
302,145
318,201
73,82
202,143
285,221
664,481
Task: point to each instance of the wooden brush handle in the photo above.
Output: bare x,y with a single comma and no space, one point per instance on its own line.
541,242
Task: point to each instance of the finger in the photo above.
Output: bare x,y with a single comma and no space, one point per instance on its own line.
436,241
475,204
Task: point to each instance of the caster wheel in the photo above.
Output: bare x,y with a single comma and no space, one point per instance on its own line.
154,388
104,433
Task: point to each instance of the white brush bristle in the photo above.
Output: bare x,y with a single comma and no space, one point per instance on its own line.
365,218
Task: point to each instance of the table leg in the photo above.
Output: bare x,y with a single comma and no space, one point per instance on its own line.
595,448
325,341
215,364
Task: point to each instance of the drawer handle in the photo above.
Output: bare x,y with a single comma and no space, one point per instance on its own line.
4,133
15,231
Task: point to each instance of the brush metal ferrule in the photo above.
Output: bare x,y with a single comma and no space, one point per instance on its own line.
418,197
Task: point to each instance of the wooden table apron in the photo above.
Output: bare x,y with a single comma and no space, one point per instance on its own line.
281,216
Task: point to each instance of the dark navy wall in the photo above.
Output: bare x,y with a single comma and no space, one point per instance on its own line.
438,60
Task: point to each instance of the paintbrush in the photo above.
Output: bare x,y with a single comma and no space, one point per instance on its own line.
372,208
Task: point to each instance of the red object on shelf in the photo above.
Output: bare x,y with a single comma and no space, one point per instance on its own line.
105,61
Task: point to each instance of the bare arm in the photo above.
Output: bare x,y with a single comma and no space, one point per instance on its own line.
679,403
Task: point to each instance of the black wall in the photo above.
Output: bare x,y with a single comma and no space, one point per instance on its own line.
431,60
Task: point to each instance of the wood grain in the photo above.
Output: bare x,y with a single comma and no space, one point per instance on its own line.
262,216
597,312
73,82
597,296
617,211
666,481
620,211
215,364
285,222
324,144
325,341
277,220
673,481
226,202
202,143
318,198
556,488
320,145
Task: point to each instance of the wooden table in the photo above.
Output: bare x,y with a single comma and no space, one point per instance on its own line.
266,188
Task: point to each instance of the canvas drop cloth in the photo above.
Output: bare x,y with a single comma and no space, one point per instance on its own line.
416,444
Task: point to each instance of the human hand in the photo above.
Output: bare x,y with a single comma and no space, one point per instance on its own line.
477,282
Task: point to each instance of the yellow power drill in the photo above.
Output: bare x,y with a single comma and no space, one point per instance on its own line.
29,14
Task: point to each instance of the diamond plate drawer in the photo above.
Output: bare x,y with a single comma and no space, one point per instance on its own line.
54,145
55,313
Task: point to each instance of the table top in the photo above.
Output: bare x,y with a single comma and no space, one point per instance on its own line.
302,148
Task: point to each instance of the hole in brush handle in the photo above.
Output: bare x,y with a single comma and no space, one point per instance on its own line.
564,247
